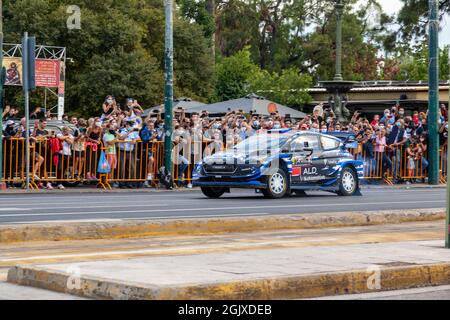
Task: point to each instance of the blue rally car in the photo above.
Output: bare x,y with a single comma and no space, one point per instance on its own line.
281,162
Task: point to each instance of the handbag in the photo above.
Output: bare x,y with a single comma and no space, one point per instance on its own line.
103,164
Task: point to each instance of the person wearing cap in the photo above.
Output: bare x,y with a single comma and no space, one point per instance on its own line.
10,131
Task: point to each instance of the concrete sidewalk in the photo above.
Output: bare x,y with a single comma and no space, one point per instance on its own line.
285,273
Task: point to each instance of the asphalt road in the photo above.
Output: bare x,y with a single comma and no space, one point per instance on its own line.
135,205
427,293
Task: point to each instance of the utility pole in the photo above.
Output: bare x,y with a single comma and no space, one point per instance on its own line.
433,93
26,93
29,83
168,86
2,185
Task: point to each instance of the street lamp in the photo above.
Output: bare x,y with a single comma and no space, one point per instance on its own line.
338,87
339,10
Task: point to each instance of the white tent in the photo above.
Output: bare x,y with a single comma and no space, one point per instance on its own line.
249,104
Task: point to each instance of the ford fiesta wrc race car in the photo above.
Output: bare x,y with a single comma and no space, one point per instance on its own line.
281,162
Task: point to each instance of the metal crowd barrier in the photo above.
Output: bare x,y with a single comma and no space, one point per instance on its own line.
134,164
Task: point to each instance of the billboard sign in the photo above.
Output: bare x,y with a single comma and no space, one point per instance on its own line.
13,68
47,72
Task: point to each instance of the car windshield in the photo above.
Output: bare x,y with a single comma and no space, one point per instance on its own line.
262,142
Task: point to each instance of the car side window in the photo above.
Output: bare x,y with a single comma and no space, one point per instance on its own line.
329,143
305,141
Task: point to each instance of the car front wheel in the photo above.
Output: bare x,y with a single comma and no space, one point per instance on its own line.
277,185
212,192
348,183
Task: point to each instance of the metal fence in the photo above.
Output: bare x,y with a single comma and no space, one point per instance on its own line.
134,163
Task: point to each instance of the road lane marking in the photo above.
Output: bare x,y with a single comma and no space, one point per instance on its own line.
67,221
93,207
222,208
15,209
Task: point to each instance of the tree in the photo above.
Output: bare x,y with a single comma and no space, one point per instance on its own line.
238,76
288,88
118,50
413,18
415,66
233,74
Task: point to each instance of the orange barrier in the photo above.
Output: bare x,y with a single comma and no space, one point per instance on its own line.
136,163
443,164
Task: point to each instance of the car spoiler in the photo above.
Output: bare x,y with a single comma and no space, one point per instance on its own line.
348,139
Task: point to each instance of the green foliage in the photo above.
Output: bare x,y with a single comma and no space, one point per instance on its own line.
238,76
119,50
270,47
288,88
415,67
413,18
197,11
233,74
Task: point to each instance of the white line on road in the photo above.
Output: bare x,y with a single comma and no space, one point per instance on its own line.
14,209
67,221
94,207
223,208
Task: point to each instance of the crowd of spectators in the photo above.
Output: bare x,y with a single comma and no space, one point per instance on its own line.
388,136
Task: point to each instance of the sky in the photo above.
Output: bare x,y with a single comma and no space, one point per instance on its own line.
393,6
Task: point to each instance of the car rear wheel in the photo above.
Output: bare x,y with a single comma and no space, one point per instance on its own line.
277,185
348,183
212,192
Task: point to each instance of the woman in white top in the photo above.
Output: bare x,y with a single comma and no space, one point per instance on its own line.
65,154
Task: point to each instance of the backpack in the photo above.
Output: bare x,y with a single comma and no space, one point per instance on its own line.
145,134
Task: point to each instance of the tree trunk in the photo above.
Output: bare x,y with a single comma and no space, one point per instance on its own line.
211,8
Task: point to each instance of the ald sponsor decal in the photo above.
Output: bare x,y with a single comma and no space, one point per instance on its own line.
304,171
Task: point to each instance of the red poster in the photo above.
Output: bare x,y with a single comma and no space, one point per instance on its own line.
47,73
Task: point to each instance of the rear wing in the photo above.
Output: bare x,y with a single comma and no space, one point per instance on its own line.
348,139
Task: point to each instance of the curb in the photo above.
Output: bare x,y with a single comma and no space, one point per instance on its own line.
291,287
173,227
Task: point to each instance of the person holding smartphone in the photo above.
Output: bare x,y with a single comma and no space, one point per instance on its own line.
109,107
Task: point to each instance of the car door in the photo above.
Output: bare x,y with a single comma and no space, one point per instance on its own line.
307,166
330,155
